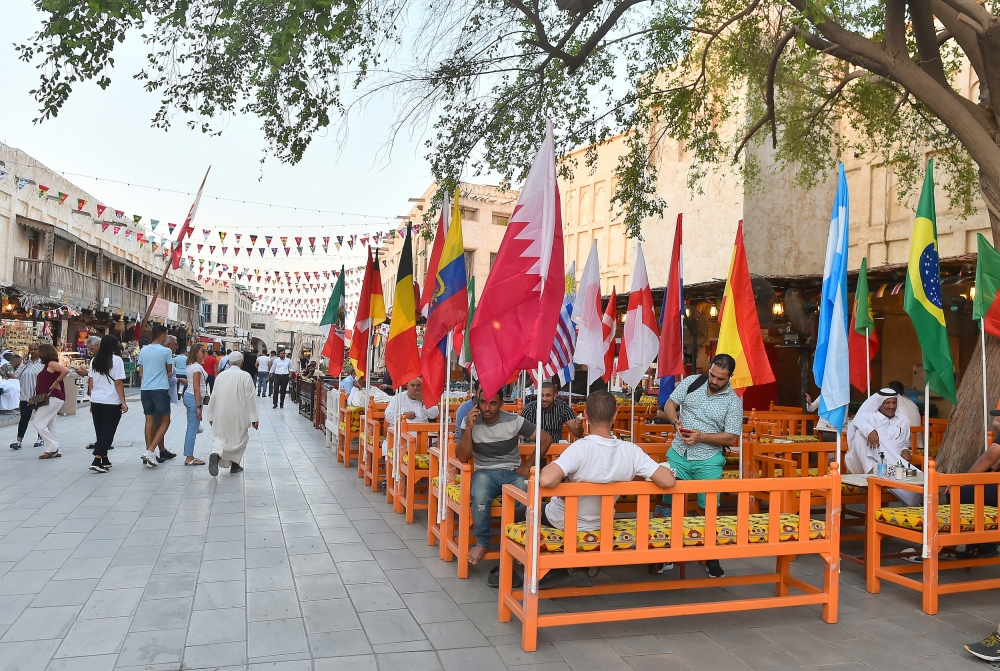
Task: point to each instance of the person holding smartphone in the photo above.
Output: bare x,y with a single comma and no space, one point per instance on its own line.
708,417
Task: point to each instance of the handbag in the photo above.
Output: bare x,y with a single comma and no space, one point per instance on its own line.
38,400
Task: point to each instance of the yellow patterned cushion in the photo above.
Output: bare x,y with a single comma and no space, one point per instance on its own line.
660,531
913,517
423,460
454,491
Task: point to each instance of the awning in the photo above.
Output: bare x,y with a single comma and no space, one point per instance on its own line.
208,339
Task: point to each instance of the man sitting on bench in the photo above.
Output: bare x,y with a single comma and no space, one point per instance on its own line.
988,462
599,458
491,436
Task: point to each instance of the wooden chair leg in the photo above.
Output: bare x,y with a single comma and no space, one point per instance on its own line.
783,567
831,585
529,628
447,535
411,486
464,544
873,558
930,584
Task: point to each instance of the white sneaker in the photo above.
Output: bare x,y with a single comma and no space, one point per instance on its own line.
201,428
39,443
149,459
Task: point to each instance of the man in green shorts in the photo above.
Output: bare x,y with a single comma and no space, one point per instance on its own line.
708,416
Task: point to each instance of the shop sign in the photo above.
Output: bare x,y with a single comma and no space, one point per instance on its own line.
216,330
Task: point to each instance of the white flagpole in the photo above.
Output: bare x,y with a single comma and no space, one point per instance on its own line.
536,500
986,409
631,426
442,469
362,456
926,553
838,447
868,364
443,437
396,458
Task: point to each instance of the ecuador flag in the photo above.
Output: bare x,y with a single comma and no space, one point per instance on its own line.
401,355
448,309
922,300
739,327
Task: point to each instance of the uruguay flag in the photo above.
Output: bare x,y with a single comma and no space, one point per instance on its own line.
831,365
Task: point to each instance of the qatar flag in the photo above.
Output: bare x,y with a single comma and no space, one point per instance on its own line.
641,335
517,315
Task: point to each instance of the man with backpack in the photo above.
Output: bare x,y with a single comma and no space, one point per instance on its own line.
708,417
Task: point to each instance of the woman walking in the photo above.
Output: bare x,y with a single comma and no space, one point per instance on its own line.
107,398
50,381
194,398
27,375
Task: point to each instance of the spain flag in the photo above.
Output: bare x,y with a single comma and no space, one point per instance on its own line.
401,355
371,313
739,327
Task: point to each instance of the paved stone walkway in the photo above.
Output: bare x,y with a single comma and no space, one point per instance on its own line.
292,566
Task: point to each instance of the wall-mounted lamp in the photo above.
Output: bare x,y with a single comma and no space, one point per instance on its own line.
972,292
713,311
687,311
778,309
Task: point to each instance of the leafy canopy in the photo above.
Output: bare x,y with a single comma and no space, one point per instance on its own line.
479,78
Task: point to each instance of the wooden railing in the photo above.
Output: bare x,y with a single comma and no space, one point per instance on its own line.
45,278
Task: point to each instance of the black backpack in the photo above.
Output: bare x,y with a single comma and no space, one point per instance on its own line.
696,385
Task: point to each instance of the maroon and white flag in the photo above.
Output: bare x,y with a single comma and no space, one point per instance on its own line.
515,322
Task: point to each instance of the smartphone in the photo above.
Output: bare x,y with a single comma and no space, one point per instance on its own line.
686,431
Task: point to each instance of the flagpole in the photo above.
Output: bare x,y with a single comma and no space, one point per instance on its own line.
926,553
362,456
443,438
986,411
536,493
395,453
868,364
170,260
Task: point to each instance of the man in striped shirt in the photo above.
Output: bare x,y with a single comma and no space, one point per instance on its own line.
555,414
27,376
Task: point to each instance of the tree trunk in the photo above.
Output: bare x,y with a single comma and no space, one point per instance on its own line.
963,441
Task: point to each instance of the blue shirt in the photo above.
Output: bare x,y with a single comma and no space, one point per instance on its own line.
347,384
180,364
460,415
154,360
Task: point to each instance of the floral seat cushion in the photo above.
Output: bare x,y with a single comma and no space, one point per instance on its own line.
423,461
913,517
454,491
660,532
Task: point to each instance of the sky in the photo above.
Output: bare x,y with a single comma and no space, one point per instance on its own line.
107,134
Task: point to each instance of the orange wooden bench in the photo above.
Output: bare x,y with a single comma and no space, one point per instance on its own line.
788,423
371,465
935,438
410,484
966,525
350,430
645,541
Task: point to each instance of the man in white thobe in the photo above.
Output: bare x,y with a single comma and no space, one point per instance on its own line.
409,405
232,410
877,435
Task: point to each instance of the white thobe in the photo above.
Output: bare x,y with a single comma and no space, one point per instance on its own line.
893,438
400,404
231,411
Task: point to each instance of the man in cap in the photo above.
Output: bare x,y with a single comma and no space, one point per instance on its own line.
231,413
877,435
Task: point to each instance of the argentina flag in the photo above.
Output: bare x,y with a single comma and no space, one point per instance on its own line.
831,365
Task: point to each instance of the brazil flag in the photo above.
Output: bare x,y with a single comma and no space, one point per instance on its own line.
923,294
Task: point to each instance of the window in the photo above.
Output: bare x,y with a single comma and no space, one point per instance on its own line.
469,214
470,263
206,312
500,220
493,259
223,315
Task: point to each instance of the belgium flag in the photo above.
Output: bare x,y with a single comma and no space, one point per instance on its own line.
401,355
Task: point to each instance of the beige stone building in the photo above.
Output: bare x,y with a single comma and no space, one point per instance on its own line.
486,210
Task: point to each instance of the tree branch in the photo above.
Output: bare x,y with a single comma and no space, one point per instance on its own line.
895,27
769,116
927,44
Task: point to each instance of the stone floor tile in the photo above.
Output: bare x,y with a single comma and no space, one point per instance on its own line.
217,626
36,624
338,644
95,637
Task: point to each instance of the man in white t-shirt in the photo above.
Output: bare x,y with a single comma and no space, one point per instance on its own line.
599,458
281,370
263,368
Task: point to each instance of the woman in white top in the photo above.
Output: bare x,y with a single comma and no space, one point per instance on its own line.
107,398
194,398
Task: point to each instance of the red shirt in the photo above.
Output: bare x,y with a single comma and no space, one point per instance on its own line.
210,362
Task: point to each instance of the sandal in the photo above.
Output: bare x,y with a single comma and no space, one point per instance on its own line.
194,462
49,455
